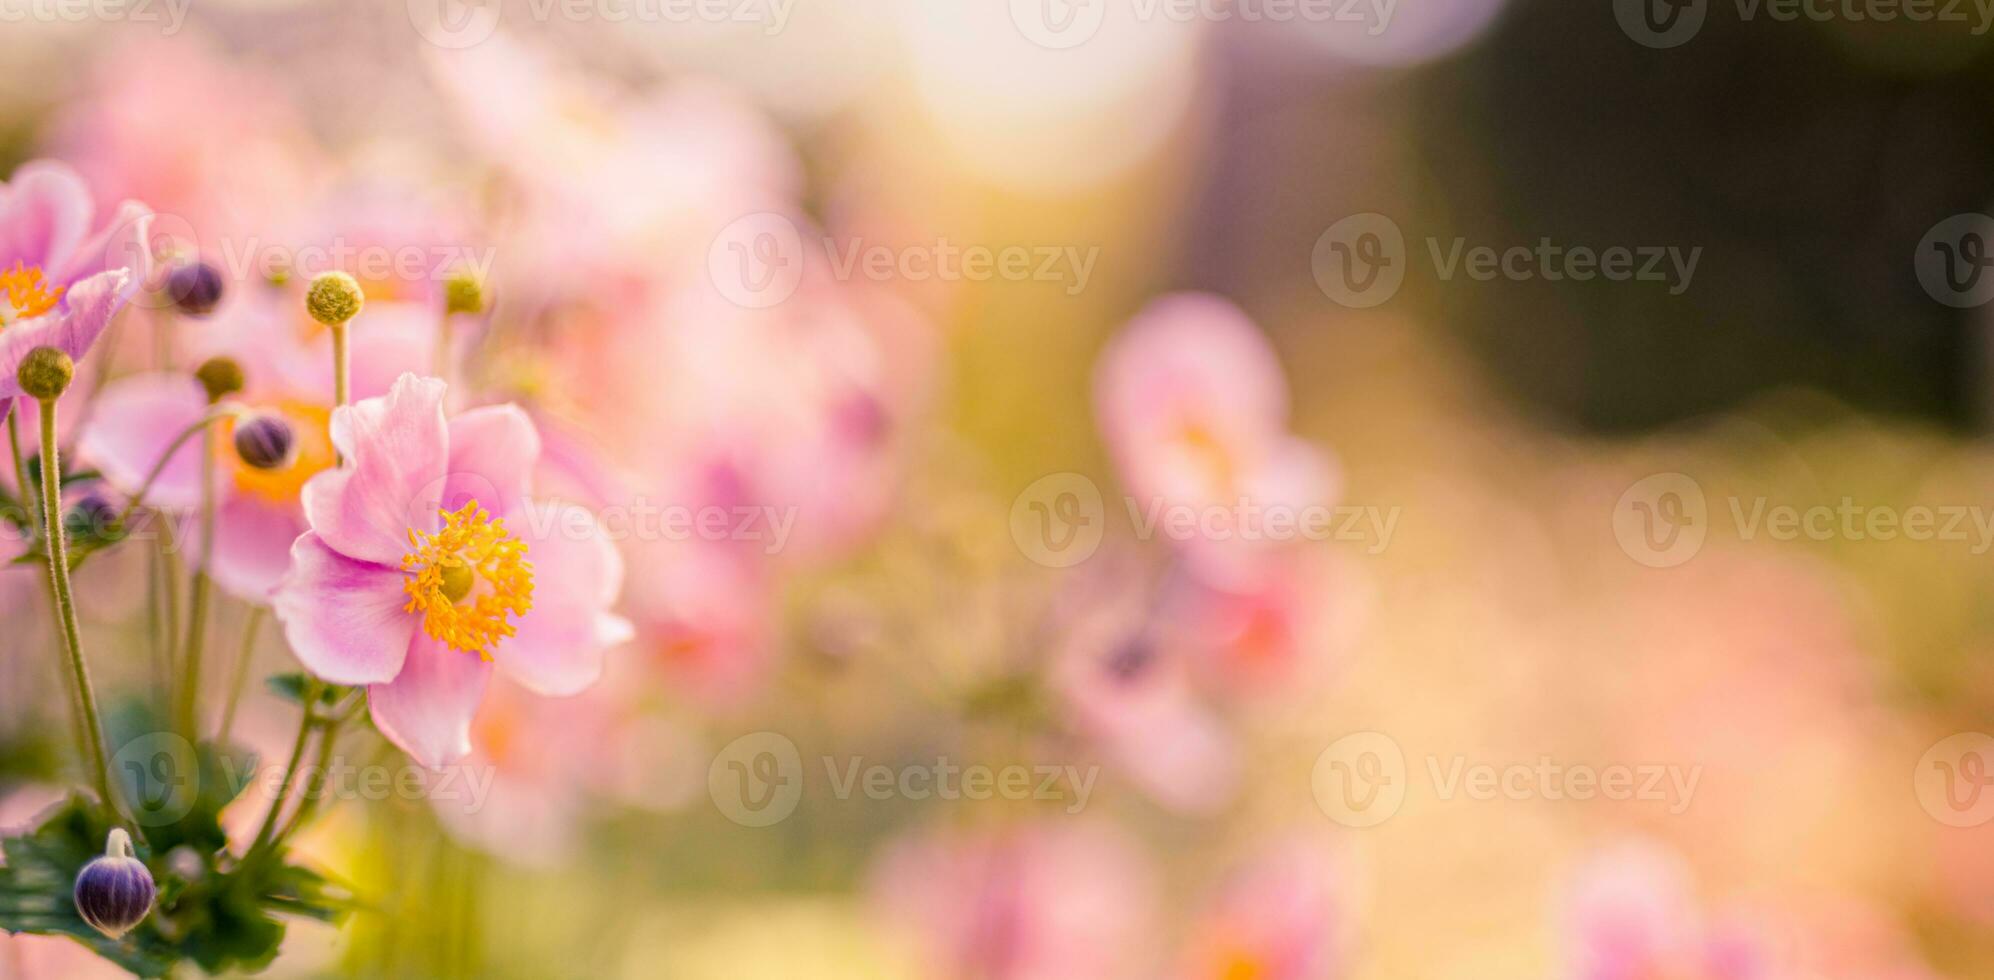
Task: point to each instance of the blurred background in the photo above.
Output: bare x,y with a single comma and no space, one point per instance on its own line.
1724,277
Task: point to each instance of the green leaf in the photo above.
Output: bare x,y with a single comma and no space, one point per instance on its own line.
41,869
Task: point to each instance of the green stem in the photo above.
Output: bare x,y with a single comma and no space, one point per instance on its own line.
197,604
152,476
305,723
65,608
241,680
314,789
20,465
341,365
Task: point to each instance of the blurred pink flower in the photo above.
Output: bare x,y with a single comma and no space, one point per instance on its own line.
61,282
415,577
1631,914
1283,915
1129,693
1033,901
1192,403
221,180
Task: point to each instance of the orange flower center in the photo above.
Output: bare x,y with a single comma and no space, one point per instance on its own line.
468,580
311,425
24,294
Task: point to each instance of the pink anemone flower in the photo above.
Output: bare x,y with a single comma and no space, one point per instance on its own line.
1193,406
60,281
428,564
1282,915
259,511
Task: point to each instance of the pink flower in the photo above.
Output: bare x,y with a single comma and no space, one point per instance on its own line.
1194,408
428,563
1038,901
1281,916
1631,914
60,281
259,511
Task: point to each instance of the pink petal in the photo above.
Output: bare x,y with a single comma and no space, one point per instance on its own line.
343,618
427,708
397,447
492,454
135,419
87,309
44,211
577,573
125,243
253,538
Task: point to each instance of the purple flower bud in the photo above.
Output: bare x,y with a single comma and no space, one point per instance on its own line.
195,287
114,892
265,442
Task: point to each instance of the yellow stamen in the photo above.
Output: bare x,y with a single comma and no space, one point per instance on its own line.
468,580
25,293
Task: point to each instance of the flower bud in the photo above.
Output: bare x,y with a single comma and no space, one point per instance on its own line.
334,298
91,517
464,292
221,376
195,287
45,373
265,442
114,892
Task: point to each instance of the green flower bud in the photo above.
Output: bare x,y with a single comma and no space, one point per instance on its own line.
45,373
334,298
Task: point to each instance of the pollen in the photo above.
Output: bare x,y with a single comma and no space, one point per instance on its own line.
469,580
24,294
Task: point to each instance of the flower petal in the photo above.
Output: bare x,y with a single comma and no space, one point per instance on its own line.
87,309
343,618
428,707
252,546
577,573
492,454
398,447
134,420
44,211
125,243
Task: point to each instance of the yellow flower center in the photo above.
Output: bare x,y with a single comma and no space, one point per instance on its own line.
468,580
24,294
311,426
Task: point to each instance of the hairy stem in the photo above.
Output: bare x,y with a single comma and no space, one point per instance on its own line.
84,697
